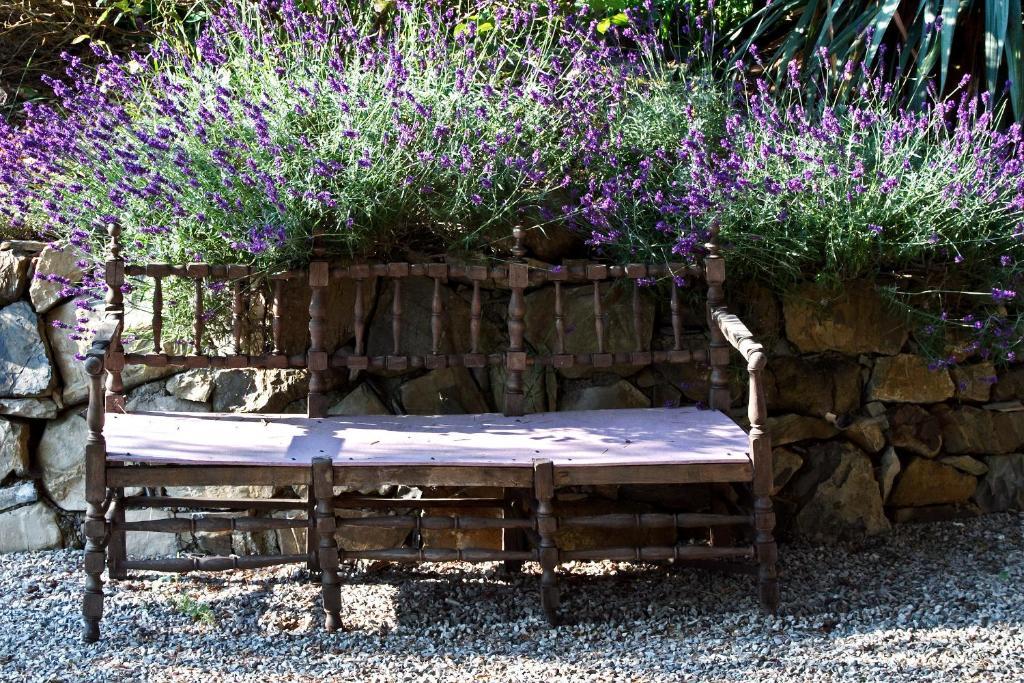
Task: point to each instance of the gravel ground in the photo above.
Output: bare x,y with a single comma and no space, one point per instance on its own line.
942,602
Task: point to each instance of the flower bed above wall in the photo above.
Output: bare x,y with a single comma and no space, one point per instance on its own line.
427,129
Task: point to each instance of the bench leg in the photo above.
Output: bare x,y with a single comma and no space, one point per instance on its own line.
117,546
547,525
323,487
767,554
95,530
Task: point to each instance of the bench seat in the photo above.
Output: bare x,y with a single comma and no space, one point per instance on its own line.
636,437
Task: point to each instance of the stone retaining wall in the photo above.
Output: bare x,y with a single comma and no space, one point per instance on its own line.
865,434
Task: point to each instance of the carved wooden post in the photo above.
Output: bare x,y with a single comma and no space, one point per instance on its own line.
547,525
158,313
601,359
319,278
323,489
277,313
115,310
764,516
94,528
515,359
238,275
200,306
718,352
677,317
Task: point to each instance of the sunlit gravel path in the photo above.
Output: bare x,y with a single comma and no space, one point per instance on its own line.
942,602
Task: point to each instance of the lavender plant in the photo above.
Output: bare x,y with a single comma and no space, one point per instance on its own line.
434,128
930,200
440,130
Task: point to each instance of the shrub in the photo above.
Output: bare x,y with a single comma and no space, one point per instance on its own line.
434,129
429,129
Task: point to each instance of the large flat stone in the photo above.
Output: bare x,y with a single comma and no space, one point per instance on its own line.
1010,385
448,391
18,494
927,482
852,319
25,369
160,402
61,458
787,429
193,385
29,408
906,378
970,430
974,382
33,527
251,390
14,275
1002,487
621,394
847,501
812,386
72,371
53,262
914,429
13,448
362,400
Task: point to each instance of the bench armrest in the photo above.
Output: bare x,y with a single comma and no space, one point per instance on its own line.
741,338
103,339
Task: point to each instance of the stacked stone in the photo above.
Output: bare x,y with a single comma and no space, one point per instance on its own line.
865,433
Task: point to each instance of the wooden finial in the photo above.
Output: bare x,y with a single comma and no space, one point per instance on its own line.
114,247
712,244
519,250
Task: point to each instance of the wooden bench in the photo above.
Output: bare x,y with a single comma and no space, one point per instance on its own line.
527,456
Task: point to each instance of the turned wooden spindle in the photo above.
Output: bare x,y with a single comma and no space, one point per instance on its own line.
326,525
200,326
114,310
94,528
277,311
677,317
475,314
316,358
359,318
547,526
638,327
237,316
436,315
718,349
600,318
158,312
396,318
761,455
559,320
515,358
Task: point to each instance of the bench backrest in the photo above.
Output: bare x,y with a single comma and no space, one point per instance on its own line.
260,343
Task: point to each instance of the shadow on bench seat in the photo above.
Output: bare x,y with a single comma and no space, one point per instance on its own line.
581,439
